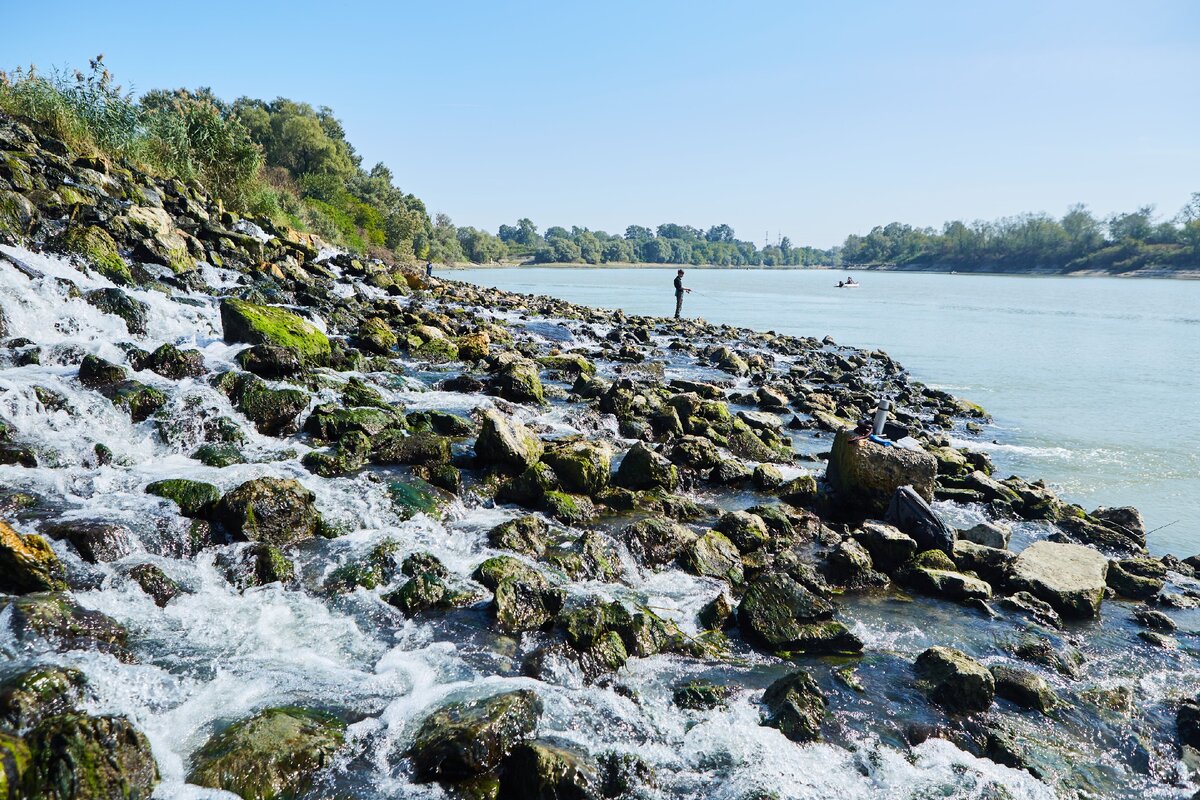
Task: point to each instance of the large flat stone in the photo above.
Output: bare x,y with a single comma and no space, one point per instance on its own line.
864,475
1069,577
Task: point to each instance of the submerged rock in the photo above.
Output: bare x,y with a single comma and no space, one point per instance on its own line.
276,753
542,770
59,620
1025,688
465,739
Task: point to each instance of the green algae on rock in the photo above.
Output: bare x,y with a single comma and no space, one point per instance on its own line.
251,323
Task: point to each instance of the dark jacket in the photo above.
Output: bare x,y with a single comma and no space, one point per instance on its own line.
678,285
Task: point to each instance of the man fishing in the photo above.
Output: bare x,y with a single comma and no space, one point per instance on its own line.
679,290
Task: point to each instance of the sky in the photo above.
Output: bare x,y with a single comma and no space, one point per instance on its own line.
812,120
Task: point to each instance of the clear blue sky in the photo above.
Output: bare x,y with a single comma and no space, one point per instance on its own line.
815,119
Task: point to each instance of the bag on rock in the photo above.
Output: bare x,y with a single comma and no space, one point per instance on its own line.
912,515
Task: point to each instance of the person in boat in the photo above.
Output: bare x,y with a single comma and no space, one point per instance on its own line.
679,290
840,284
849,281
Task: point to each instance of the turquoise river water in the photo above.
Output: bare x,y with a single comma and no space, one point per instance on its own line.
1093,383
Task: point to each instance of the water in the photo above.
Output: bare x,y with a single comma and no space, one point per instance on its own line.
1093,383
217,654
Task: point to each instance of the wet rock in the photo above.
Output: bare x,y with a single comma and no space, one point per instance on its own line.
542,770
956,681
1126,518
796,706
423,448
730,471
582,467
155,583
1154,620
506,442
1038,610
374,336
276,511
276,753
1025,688
780,614
518,381
114,301
37,694
96,373
1156,639
171,362
889,547
865,475
465,739
251,323
421,593
656,542
78,757
849,563
932,572
714,556
988,534
1187,723
1062,658
594,556
269,361
274,412
374,569
525,535
66,625
1069,577
28,564
800,491
501,568
14,752
747,531
719,613
194,498
766,478
96,542
570,509
525,605
1136,578
624,775
695,452
642,469
701,695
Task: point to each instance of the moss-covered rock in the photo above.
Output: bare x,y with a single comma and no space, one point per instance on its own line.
374,569
518,381
14,752
655,541
116,302
642,468
501,568
416,497
465,739
251,323
520,605
28,564
955,680
506,442
1024,688
276,511
99,250
78,757
273,755
779,613
56,618
194,498
525,535
474,346
582,467
570,509
748,532
795,705
36,694
542,770
171,362
218,455
375,336
594,556
701,695
421,448
155,583
269,361
714,556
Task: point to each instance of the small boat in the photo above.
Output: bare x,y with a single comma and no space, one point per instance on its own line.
844,285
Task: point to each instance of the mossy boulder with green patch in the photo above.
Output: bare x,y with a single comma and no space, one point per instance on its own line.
274,412
273,755
99,250
28,563
58,619
171,362
569,363
796,706
779,613
519,382
79,757
701,695
543,770
955,680
251,323
218,455
410,498
714,556
140,400
656,541
526,535
569,509
194,498
506,442
466,739
428,591
520,605
375,336
374,569
276,511
31,696
156,583
421,448
134,312
501,568
582,467
594,556
14,761
747,531
642,469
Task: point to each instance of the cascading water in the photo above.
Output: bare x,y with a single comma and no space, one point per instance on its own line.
216,653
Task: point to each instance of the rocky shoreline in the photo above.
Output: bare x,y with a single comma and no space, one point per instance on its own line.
615,448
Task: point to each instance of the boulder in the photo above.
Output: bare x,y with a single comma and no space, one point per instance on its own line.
780,614
506,442
465,739
889,547
28,564
135,313
36,694
15,776
171,362
714,556
990,563
274,754
701,695
96,542
155,583
56,618
582,467
269,361
1136,578
194,498
542,770
526,535
251,323
275,511
642,468
932,572
864,475
519,382
1026,689
796,706
525,605
1070,577
656,541
747,531
988,534
956,681
79,757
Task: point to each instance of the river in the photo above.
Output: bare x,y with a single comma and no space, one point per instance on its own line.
1093,383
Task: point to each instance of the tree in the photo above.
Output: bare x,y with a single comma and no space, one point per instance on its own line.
636,233
719,233
589,247
617,250
1134,226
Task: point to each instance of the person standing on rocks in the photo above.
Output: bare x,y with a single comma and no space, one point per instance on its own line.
679,290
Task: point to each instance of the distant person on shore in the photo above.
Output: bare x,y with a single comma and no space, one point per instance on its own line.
428,269
679,290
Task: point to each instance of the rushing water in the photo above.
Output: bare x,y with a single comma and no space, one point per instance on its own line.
216,654
1094,383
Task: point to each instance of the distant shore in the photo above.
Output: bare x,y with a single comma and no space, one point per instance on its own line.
1176,274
